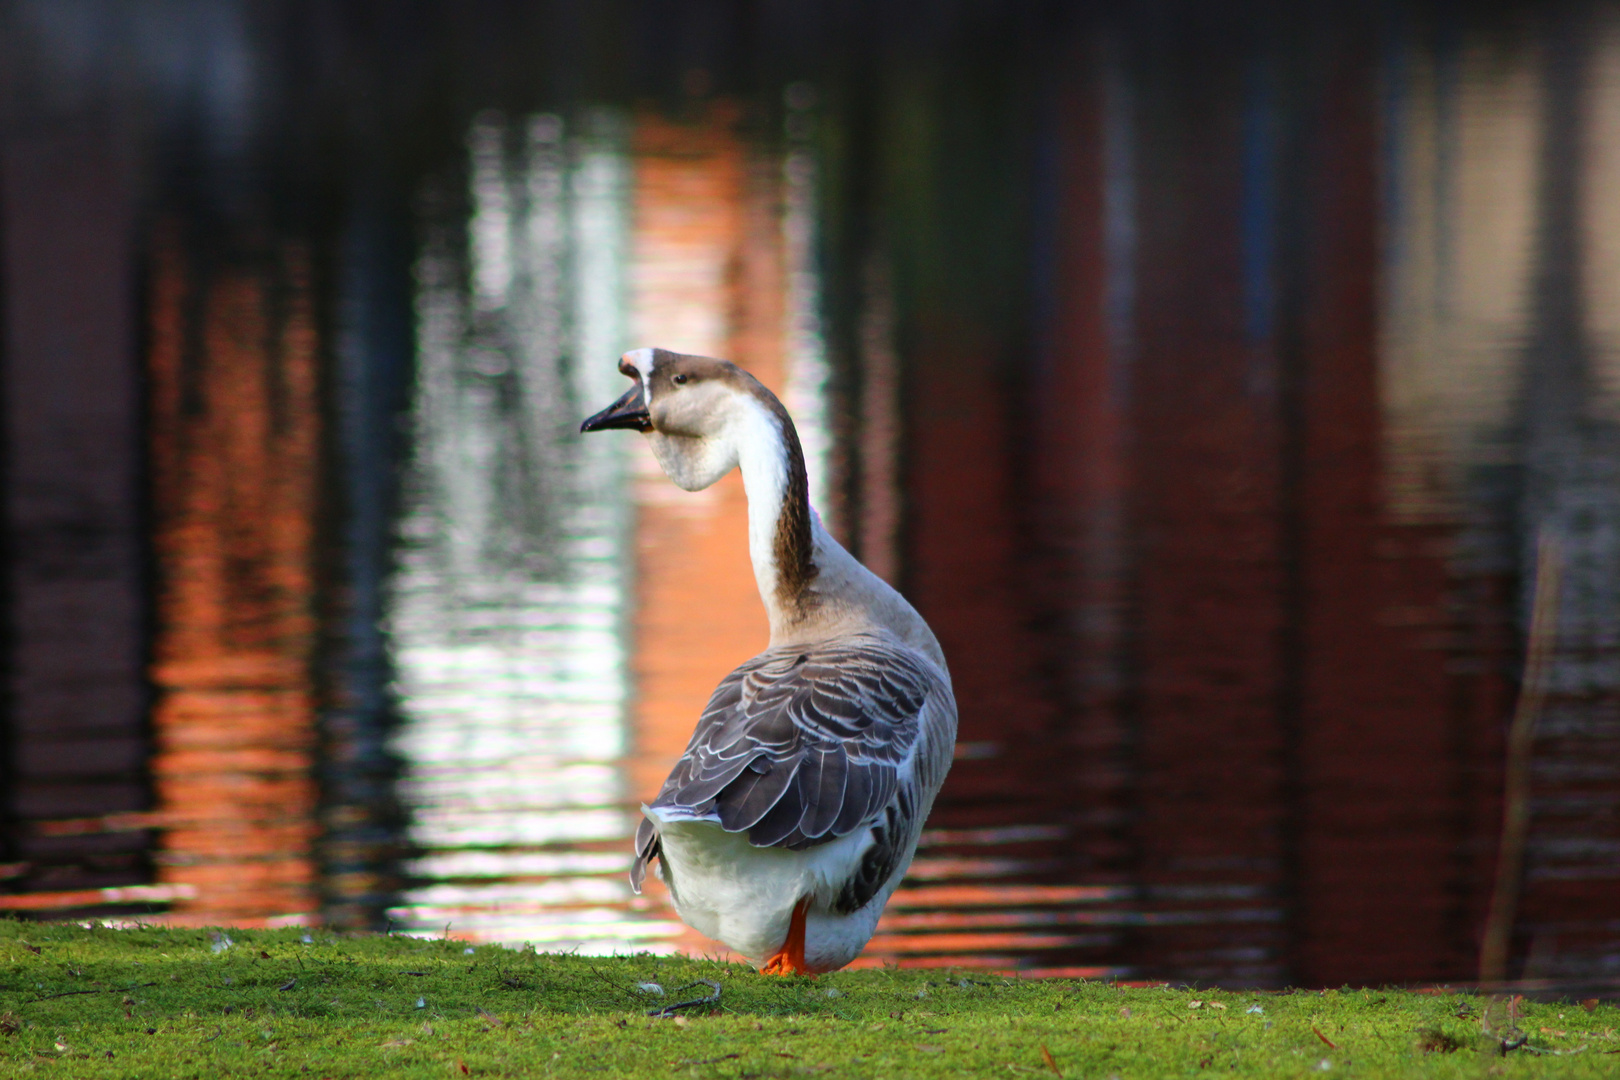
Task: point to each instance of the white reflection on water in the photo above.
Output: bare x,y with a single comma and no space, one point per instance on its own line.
508,603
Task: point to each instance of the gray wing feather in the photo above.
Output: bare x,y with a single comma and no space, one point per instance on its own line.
800,746
646,851
857,803
747,799
823,778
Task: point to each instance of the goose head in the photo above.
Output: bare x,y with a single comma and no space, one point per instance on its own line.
696,412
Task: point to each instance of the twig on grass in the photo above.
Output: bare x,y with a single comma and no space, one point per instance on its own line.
1501,1023
616,987
671,1010
1514,1044
1180,1019
106,990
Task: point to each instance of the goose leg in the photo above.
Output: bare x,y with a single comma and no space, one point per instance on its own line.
789,959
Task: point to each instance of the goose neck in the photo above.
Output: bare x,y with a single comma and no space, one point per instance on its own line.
781,536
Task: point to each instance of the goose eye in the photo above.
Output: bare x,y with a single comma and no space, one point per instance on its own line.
679,380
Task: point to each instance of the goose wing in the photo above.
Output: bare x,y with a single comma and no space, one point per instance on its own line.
800,746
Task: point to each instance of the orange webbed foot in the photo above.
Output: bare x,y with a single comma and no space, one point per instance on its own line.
789,959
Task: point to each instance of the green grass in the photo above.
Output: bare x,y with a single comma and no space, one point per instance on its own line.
155,1003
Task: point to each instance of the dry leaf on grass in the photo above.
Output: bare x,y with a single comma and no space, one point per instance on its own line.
1046,1056
1435,1041
1330,1043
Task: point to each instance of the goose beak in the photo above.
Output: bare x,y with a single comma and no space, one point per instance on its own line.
629,412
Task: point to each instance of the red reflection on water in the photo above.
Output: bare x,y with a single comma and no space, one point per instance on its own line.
1196,657
1394,825
234,427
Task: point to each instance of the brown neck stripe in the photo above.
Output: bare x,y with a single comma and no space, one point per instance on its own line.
794,543
793,546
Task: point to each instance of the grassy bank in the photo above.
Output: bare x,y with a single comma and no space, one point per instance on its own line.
174,1003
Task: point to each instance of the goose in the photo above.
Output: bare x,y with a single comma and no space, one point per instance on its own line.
796,808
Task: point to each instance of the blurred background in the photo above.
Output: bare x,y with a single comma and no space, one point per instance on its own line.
1232,386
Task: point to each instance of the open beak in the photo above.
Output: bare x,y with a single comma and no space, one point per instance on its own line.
629,412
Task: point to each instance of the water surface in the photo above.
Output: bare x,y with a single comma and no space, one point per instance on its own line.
1209,382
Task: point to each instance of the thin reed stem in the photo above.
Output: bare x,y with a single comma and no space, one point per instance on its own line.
1493,952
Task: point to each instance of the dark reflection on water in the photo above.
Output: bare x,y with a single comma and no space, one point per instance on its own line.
1208,381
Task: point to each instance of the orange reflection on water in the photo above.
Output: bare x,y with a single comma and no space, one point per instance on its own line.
234,465
707,277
